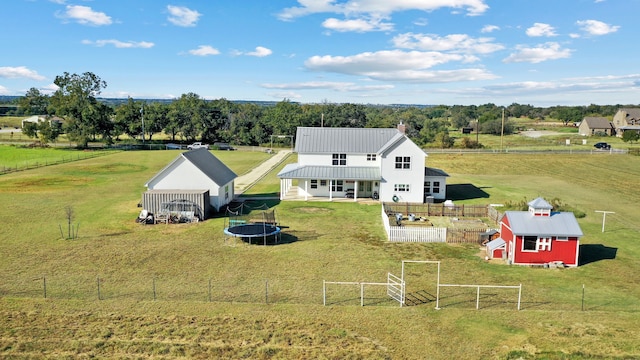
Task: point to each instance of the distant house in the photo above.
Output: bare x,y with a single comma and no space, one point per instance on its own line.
626,119
193,172
36,119
590,126
538,236
379,163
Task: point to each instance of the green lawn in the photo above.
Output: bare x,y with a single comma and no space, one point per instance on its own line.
266,302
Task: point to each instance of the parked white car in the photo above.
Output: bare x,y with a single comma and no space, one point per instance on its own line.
198,145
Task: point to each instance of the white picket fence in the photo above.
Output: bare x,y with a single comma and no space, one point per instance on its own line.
413,234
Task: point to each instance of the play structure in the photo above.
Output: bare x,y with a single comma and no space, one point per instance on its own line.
251,224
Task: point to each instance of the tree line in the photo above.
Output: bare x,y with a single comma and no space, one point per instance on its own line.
188,118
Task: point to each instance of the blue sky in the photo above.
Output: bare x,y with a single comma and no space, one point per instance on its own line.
538,52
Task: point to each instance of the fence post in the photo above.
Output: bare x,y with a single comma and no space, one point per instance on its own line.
98,281
154,289
209,291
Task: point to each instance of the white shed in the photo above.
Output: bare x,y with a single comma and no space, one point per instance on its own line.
197,170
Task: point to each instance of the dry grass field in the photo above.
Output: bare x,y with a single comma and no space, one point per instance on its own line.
123,290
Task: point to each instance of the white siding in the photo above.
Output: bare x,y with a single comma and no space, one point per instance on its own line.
413,177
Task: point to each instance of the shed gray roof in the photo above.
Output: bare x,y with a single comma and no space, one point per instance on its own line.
494,244
558,224
539,203
597,123
345,140
208,164
294,171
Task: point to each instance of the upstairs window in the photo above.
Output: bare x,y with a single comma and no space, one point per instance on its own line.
339,159
403,162
401,187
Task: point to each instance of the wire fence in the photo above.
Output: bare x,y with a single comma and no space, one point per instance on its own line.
279,290
41,162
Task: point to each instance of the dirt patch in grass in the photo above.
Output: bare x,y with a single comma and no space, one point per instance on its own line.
314,210
43,184
115,168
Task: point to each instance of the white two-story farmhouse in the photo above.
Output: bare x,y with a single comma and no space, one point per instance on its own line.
360,163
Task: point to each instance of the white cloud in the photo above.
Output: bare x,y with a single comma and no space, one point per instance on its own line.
260,52
457,43
4,90
329,85
120,44
540,29
182,16
543,52
357,25
19,72
85,15
595,27
353,7
489,28
204,50
397,65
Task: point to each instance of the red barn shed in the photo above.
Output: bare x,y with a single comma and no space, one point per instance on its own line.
540,236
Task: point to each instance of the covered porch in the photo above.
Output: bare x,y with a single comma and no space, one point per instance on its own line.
329,183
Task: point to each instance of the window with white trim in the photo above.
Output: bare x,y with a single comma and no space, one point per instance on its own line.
323,182
436,187
337,185
401,187
403,162
562,238
371,157
339,159
544,244
314,184
529,243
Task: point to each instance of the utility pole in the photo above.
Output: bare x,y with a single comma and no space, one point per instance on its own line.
604,216
142,113
502,130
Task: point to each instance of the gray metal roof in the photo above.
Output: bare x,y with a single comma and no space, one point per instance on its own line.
539,203
595,122
294,171
632,113
558,224
494,244
429,171
345,140
210,165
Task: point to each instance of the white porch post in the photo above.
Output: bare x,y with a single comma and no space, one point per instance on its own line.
355,191
306,189
282,189
331,190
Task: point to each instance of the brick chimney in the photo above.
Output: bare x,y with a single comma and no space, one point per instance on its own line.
402,127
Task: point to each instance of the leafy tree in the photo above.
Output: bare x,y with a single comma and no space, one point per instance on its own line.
630,136
494,127
128,118
467,143
155,118
75,101
45,131
444,140
33,103
568,114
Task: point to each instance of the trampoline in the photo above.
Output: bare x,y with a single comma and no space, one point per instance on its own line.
252,225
